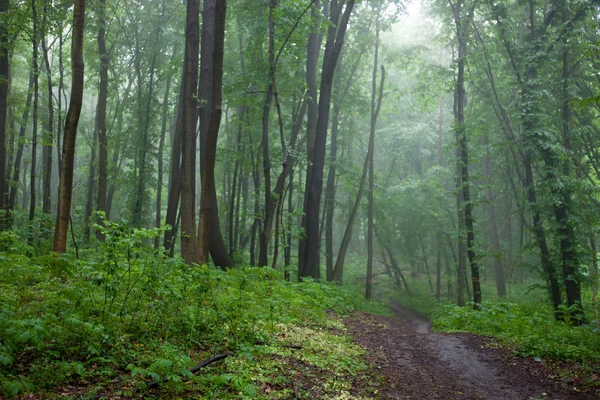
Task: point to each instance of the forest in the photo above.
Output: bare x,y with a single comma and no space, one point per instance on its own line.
249,186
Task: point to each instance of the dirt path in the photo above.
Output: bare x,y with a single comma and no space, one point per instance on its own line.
418,364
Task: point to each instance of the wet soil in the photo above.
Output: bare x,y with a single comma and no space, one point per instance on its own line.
416,363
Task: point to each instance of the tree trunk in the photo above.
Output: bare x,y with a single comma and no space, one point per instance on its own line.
20,150
4,74
208,194
594,275
144,120
495,241
217,247
70,135
375,107
49,132
101,114
175,175
188,162
91,186
161,147
463,160
314,187
269,209
571,263
32,175
312,57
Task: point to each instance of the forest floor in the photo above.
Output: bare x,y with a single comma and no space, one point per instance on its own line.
417,363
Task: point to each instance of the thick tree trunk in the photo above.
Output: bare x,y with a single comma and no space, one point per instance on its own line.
68,152
208,193
312,57
314,187
217,247
188,162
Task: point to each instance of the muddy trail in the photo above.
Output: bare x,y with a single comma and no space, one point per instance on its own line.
419,364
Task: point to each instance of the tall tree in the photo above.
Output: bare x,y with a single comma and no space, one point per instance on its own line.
48,133
218,249
70,135
188,160
208,174
4,71
32,175
336,32
101,113
375,108
265,237
461,22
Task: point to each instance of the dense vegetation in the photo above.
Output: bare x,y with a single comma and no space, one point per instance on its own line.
158,205
124,315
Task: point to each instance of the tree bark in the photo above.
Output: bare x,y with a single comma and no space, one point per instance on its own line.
217,247
32,175
21,140
49,132
312,57
70,135
314,187
4,74
208,193
91,185
463,159
101,114
188,162
161,147
375,107
493,230
269,210
175,175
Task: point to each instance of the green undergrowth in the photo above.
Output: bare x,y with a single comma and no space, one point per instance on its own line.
529,328
523,321
124,315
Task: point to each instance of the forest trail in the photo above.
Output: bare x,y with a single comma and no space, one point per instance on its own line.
419,364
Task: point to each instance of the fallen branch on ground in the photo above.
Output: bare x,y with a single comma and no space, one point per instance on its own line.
193,370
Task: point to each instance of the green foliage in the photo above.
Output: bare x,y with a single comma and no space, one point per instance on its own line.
529,328
125,314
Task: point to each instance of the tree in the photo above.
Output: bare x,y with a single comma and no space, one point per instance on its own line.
4,71
189,117
70,135
101,113
208,177
309,261
217,247
463,155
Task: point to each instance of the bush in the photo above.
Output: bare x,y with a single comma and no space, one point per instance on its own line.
529,328
127,312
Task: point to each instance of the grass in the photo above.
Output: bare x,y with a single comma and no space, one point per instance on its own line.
124,315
